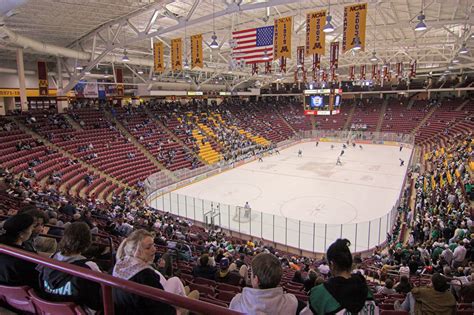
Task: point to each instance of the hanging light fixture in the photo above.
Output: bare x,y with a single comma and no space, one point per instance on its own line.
463,49
125,56
214,43
421,26
87,72
328,28
374,57
357,45
140,71
455,60
265,55
186,64
79,67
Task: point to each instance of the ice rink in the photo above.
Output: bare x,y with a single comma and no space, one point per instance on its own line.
305,202
313,188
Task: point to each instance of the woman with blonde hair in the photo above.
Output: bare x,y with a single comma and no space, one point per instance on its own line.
135,257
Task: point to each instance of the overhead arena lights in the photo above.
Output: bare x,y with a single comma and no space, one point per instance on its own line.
374,57
214,43
421,26
357,45
125,56
186,64
266,56
328,28
463,49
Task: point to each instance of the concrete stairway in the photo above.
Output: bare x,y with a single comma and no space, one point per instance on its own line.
134,141
348,122
383,109
206,152
424,120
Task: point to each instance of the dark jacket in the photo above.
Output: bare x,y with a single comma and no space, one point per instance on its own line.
206,272
339,294
62,287
16,272
231,277
132,304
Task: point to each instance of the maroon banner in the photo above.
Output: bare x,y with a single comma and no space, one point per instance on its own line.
413,69
254,68
42,78
300,56
324,75
385,72
362,72
119,80
374,72
334,55
283,64
268,67
399,70
351,72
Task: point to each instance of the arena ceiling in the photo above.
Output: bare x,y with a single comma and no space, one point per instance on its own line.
104,28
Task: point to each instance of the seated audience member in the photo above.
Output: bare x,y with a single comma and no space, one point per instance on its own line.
203,268
404,286
387,289
225,275
265,296
40,220
297,278
63,287
311,281
430,300
324,269
15,271
135,257
343,292
45,246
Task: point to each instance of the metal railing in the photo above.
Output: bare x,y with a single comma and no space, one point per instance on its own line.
307,236
108,282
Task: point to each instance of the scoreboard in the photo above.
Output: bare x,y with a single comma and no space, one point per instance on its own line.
322,101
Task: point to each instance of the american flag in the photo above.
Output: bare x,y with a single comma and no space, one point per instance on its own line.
251,44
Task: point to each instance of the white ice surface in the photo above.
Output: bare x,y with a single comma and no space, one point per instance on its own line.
305,202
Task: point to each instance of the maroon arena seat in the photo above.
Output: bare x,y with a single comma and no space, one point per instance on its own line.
17,298
44,307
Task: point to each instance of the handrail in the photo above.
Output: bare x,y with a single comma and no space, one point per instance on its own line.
108,281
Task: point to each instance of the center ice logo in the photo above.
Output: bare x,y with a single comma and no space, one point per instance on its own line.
317,209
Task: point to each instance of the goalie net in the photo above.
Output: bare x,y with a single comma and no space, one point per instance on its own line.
242,215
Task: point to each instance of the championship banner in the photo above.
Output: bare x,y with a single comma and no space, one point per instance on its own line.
268,67
399,69
196,51
119,80
362,72
385,72
374,72
334,55
315,37
316,65
176,54
42,78
300,56
351,73
413,69
158,58
354,26
282,37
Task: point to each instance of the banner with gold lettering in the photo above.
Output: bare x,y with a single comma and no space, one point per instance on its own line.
282,37
176,54
315,37
362,72
355,16
119,80
196,51
334,55
42,78
158,57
